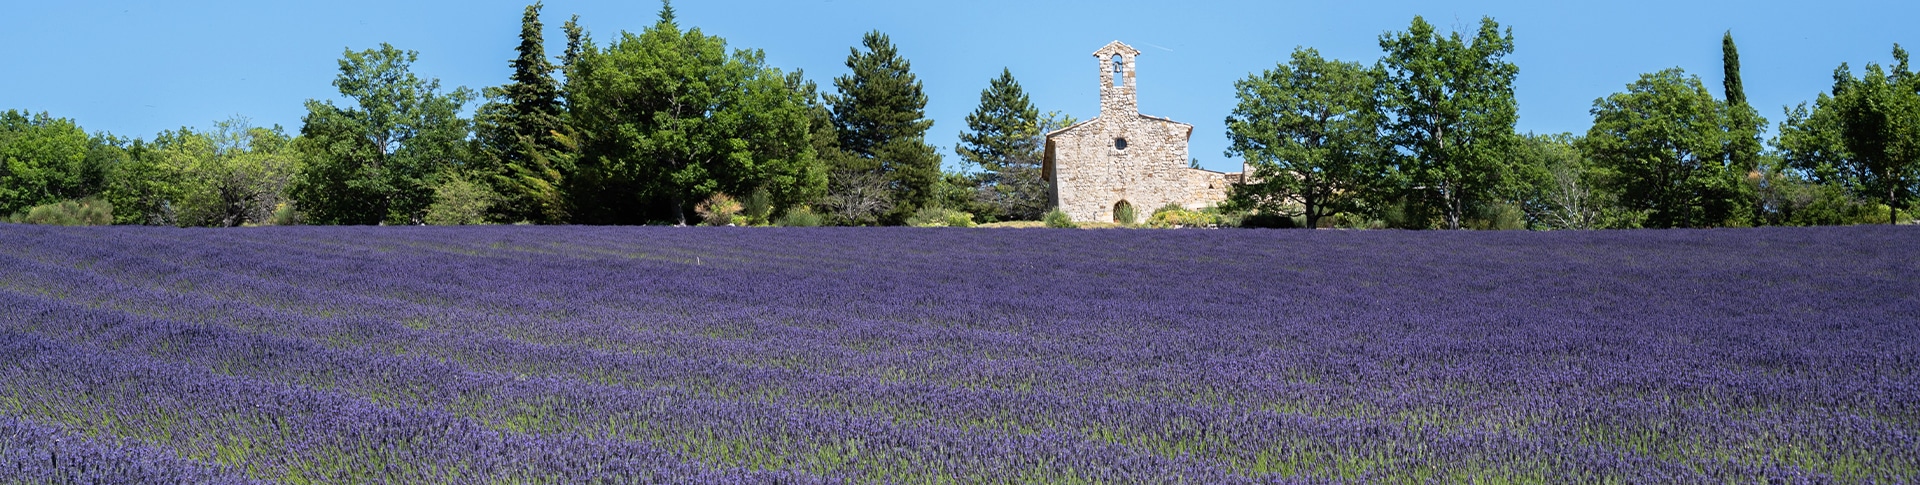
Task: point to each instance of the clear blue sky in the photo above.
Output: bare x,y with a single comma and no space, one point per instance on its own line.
137,67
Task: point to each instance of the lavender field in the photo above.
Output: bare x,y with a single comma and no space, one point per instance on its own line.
823,355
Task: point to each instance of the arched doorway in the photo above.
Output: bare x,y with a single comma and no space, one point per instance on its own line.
1123,212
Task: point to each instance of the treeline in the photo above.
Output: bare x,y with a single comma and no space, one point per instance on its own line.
663,126
1424,138
670,126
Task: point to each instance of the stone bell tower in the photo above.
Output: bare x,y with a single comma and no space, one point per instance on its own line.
1117,93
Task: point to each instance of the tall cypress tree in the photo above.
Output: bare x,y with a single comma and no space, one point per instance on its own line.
880,113
1730,63
1743,128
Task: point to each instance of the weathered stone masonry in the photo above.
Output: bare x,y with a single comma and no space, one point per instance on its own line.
1124,156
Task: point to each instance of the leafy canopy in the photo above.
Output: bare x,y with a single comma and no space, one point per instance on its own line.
1451,111
1309,132
378,159
669,117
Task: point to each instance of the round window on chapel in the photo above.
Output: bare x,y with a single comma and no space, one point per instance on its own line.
1120,143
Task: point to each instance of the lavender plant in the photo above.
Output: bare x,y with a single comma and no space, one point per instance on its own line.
901,355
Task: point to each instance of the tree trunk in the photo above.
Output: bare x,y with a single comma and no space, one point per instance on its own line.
679,210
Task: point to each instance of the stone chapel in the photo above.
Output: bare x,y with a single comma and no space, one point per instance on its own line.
1124,158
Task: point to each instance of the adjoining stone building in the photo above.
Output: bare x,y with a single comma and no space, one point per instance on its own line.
1124,158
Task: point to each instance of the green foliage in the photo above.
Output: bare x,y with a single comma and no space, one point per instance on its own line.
45,160
940,217
1270,220
1310,133
1663,145
1556,186
1006,138
234,175
1805,203
880,115
522,135
231,176
965,192
757,207
668,117
1498,217
83,212
378,160
286,215
1003,128
1451,112
1123,214
1175,216
1059,220
460,201
1864,137
800,217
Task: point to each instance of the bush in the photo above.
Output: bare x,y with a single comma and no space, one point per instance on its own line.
939,217
757,208
1269,220
460,201
718,210
1059,220
285,215
1498,217
1172,215
1123,214
800,217
83,212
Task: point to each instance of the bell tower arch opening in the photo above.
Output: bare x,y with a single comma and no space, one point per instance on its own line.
1117,77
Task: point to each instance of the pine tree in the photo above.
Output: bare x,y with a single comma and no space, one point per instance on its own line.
1002,129
521,128
880,114
1004,139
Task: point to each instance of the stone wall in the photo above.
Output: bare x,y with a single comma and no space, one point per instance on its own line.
1125,156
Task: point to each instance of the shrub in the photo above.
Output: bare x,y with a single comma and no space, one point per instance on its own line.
1268,220
1172,215
1498,217
1059,220
800,217
1123,214
757,208
83,212
718,210
460,201
940,217
285,215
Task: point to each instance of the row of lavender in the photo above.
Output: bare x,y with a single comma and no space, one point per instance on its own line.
559,355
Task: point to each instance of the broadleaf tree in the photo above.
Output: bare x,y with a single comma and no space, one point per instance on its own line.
1451,111
1309,132
44,160
668,117
1663,144
1864,136
378,160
